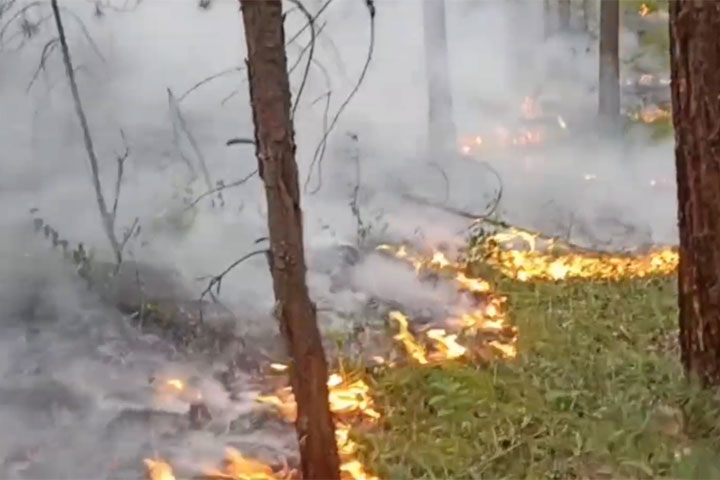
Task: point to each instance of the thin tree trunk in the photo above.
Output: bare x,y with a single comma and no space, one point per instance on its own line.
587,6
695,65
609,69
441,125
564,11
275,144
547,19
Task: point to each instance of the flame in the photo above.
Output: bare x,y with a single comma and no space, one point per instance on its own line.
238,467
449,346
278,367
414,349
644,10
346,398
535,264
158,469
651,114
442,344
176,383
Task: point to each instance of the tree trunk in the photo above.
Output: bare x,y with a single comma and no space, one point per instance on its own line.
695,65
275,150
564,14
587,7
609,75
547,19
441,125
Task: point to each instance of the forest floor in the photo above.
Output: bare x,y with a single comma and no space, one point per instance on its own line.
596,391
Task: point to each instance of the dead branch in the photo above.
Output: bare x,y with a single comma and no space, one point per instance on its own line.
354,199
240,141
222,187
216,280
320,149
175,107
120,171
46,51
14,17
307,25
108,219
242,68
313,36
209,79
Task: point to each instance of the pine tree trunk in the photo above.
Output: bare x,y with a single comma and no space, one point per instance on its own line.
695,64
441,125
609,70
274,136
564,12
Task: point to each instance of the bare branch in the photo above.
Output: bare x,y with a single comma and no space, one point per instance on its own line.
120,170
85,32
222,187
181,121
320,149
315,17
240,141
216,280
107,219
313,36
129,233
46,51
209,79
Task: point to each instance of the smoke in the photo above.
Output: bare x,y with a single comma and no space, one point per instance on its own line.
75,374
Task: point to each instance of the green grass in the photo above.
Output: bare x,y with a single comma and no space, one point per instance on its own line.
596,392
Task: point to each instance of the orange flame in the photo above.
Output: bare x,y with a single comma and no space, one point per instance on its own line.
158,469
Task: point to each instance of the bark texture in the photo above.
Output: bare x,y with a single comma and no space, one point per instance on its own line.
274,135
441,125
609,75
695,64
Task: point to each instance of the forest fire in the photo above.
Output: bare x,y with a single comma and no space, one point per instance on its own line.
238,467
533,263
488,316
513,252
348,400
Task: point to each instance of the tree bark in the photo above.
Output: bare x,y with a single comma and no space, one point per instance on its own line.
275,150
564,12
609,69
695,66
441,125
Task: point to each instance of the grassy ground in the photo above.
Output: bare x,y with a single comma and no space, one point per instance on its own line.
596,392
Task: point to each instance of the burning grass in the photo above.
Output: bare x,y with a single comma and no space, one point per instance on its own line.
595,391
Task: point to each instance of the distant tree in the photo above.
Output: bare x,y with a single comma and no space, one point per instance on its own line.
695,67
441,125
609,69
587,12
275,150
564,13
547,19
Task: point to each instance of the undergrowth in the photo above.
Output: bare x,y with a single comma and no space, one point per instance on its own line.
596,392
